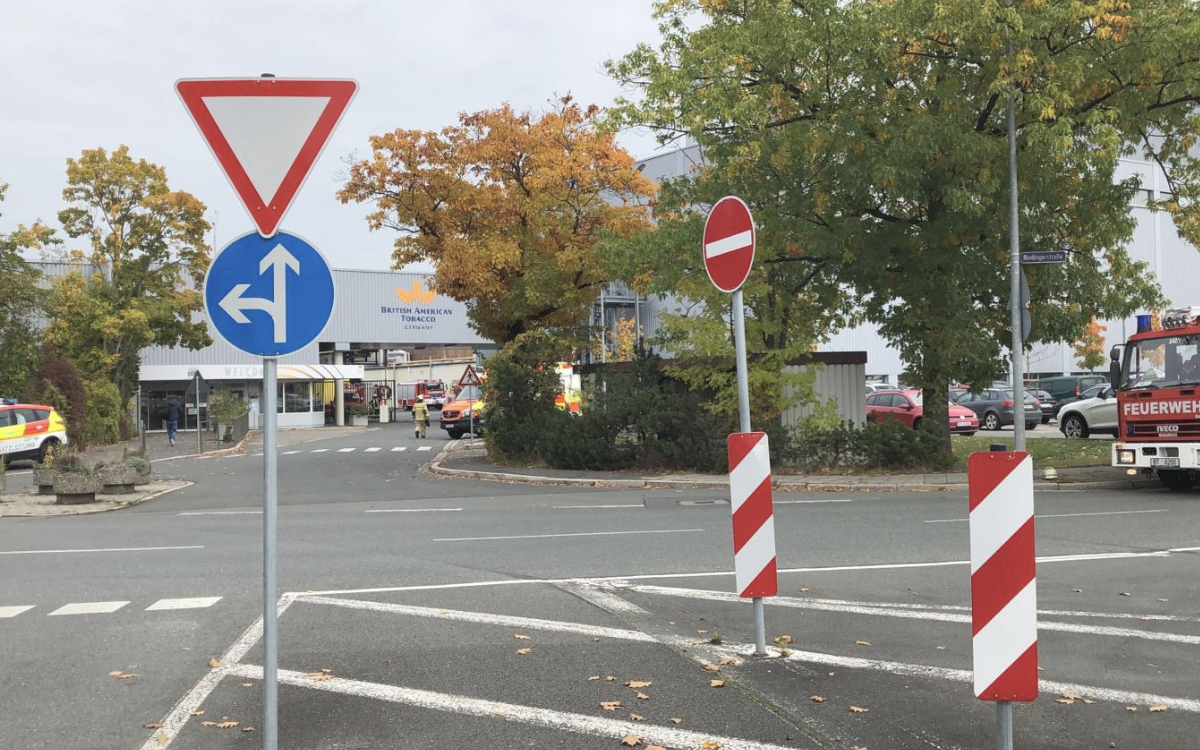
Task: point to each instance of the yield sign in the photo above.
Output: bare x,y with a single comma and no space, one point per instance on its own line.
729,243
266,134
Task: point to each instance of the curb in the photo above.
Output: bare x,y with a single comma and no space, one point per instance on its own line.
435,468
184,484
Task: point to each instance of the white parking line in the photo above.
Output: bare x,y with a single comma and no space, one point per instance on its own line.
399,449
596,726
413,510
589,507
319,450
7,612
812,502
425,448
1065,515
114,549
221,513
372,450
583,533
345,450
869,608
88,608
198,602
486,618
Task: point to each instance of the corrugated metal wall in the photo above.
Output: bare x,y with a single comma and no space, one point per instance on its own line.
841,383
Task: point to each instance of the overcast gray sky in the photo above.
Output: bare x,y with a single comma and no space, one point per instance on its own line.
81,74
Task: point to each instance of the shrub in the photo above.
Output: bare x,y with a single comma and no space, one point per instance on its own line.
57,383
519,395
68,459
359,410
888,445
102,424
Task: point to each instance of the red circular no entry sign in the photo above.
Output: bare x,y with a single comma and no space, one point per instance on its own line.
729,243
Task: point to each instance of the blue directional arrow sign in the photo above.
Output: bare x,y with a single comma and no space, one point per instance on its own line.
269,296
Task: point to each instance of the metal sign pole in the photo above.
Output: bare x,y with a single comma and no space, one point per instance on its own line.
743,385
1014,268
1004,725
196,385
270,500
142,420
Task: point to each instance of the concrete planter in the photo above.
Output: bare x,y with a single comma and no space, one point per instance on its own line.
117,479
141,474
43,479
359,421
75,488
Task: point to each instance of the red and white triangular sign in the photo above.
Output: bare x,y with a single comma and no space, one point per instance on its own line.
266,134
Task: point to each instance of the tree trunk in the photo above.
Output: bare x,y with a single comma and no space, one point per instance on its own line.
936,419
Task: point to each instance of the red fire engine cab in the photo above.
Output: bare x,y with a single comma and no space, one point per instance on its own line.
1156,375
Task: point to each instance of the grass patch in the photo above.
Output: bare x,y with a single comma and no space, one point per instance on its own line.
1045,451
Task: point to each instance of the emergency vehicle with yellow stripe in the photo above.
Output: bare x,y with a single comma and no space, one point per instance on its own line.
29,430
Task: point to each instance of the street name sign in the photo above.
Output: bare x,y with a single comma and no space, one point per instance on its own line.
266,133
1003,576
1043,256
729,243
269,296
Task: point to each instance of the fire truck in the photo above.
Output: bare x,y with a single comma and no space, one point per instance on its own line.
434,392
1156,376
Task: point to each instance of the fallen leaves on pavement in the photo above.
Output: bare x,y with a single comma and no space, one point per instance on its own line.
1126,593
609,678
712,667
727,660
804,590
524,650
676,720
520,637
320,675
635,684
1131,708
152,726
248,729
228,724
636,717
643,697
817,698
198,713
593,678
247,684
631,740
1157,709
862,643
716,683
785,639
610,705
710,745
214,662
857,710
655,747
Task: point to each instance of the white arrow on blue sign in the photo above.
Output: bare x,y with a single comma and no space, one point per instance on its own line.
269,296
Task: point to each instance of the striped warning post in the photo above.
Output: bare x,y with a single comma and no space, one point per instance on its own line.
753,519
1003,578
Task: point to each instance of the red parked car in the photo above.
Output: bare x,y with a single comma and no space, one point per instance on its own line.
906,407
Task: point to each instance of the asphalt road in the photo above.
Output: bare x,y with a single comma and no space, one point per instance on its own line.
411,591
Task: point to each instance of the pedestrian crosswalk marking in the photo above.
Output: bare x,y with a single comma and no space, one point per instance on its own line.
345,450
399,449
88,608
199,602
320,450
372,450
288,453
6,612
425,447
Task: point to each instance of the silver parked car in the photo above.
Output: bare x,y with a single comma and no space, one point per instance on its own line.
1081,418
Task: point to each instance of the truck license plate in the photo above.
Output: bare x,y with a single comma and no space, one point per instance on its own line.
1166,463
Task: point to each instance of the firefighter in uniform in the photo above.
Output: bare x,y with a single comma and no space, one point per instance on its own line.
421,416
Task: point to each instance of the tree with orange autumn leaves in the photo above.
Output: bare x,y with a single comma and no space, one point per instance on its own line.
508,207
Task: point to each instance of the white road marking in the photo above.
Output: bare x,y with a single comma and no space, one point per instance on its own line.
485,618
413,510
399,449
179,715
729,244
965,675
812,502
425,448
616,729
717,573
1065,515
290,453
1051,612
113,549
319,450
583,533
198,602
345,450
221,513
256,455
589,507
88,608
7,612
868,608
372,450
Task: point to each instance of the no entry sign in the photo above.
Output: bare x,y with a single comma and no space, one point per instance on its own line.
729,243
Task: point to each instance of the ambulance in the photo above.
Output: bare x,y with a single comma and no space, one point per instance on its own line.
29,430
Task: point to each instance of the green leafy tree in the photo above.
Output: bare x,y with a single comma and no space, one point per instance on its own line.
20,302
879,131
146,244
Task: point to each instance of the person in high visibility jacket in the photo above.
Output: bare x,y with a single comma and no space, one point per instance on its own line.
420,416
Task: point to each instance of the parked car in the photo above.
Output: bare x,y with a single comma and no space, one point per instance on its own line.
906,407
1092,392
995,408
1085,416
1049,405
1070,386
875,387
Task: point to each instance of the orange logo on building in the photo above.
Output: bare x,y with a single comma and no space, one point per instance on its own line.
417,294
